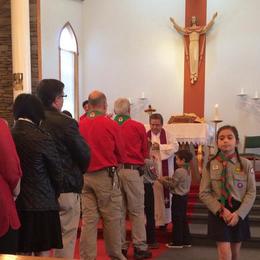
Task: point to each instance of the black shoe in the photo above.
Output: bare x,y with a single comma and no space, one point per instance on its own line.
172,245
124,252
142,254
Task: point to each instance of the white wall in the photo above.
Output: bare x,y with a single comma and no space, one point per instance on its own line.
54,15
233,62
128,47
131,48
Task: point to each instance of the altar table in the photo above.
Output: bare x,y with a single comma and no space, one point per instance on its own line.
195,133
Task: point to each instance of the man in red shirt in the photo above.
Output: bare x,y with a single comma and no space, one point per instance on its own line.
85,107
101,194
131,178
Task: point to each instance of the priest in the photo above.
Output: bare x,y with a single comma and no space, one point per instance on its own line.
163,147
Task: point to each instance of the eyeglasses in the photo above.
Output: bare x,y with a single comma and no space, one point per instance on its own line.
63,96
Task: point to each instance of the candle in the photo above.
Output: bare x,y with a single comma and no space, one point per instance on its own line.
130,101
142,94
242,92
216,112
256,95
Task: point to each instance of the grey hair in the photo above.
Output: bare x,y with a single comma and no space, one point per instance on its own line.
122,106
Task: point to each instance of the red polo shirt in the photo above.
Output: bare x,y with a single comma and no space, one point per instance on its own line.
83,116
136,147
105,141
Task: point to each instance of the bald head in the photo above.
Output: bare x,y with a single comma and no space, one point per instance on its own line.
97,101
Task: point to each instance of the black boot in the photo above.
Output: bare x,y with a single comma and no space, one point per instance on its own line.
141,254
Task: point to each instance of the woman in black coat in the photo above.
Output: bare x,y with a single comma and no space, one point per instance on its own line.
42,179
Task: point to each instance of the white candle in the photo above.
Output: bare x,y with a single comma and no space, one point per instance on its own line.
142,94
130,101
242,92
216,112
256,95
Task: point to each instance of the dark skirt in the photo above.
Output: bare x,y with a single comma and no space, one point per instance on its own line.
40,231
8,242
219,231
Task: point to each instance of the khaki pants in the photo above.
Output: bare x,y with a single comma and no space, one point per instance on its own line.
100,198
69,218
133,202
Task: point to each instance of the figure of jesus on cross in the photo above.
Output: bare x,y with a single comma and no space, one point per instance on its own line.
193,53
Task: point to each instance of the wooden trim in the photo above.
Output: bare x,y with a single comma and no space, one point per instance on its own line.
39,38
59,63
76,70
76,86
194,94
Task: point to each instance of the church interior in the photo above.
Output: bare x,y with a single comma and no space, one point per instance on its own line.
132,49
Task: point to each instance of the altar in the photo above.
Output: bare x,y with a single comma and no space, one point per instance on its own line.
191,133
199,135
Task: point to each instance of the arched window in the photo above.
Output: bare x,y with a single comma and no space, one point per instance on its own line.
68,49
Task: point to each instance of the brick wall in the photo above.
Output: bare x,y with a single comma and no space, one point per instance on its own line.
6,91
34,44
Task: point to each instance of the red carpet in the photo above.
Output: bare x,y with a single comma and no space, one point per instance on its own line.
162,237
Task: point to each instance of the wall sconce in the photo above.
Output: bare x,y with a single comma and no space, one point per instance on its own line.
242,93
18,81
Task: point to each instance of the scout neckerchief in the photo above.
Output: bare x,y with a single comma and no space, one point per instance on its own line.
225,185
165,170
186,166
120,119
94,113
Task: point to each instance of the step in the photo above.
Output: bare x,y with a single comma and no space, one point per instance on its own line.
199,236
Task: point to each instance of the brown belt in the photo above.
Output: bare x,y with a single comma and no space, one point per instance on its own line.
131,166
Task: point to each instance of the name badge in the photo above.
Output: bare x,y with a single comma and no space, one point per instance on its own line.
237,170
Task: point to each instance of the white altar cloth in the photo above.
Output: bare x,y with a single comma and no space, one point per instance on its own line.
195,133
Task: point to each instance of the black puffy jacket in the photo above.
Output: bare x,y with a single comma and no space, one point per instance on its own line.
72,148
42,178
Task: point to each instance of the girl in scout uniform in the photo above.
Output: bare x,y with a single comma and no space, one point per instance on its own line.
228,189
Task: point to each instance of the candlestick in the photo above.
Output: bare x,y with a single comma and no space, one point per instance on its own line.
216,112
216,126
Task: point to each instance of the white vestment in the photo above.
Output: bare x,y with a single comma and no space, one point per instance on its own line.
166,152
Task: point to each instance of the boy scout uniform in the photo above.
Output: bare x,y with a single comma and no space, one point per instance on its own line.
241,182
180,183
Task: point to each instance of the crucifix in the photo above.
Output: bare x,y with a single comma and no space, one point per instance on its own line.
192,52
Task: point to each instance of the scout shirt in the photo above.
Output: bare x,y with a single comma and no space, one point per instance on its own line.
103,136
136,146
180,183
242,185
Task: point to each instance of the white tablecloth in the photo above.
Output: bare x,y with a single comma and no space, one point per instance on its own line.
194,133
